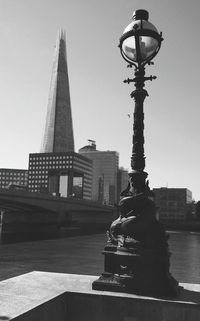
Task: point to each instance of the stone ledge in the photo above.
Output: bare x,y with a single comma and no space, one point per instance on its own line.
58,297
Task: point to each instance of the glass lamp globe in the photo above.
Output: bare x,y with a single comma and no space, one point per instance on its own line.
140,41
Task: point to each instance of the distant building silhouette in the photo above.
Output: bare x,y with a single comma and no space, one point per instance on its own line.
10,176
104,175
173,203
122,181
58,170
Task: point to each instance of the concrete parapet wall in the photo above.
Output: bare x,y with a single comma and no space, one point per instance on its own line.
45,296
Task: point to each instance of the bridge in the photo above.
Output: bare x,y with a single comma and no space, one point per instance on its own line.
33,213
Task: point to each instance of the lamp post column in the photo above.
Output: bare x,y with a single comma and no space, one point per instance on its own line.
137,175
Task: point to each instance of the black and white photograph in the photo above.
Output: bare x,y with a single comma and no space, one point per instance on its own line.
99,160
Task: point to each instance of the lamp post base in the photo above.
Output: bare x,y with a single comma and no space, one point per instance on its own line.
142,274
115,283
137,254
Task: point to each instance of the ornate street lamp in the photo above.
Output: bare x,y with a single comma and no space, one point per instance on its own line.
136,253
139,44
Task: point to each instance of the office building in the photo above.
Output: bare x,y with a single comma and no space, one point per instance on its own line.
10,177
104,175
173,203
122,181
60,174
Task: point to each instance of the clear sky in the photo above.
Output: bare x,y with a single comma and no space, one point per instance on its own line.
100,100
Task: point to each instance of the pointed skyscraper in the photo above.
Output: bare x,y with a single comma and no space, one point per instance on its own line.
58,134
57,170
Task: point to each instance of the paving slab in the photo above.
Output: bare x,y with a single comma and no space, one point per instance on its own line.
39,294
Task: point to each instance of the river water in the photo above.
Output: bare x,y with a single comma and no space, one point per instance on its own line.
185,259
82,255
